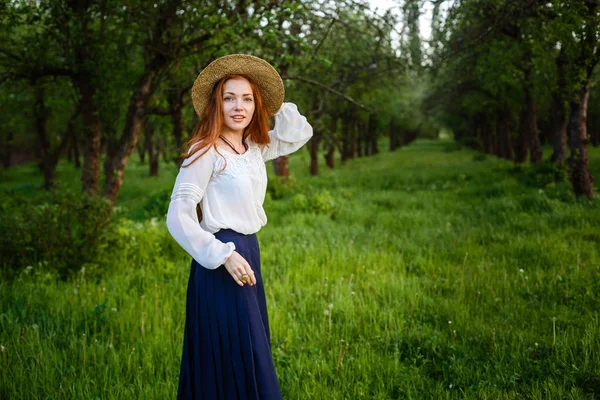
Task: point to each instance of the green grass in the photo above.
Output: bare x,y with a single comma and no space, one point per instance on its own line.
428,273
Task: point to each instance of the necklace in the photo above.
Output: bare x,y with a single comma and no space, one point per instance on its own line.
231,145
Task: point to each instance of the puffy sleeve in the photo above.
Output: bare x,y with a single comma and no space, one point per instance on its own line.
291,132
182,220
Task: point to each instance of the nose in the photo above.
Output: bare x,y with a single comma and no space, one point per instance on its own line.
238,104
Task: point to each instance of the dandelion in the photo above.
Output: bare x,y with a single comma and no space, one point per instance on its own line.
3,349
34,326
326,312
536,344
450,386
521,270
449,322
352,293
330,306
104,289
114,309
75,291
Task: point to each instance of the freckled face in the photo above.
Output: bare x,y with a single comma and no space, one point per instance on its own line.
238,105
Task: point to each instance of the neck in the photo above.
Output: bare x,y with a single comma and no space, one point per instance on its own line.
234,137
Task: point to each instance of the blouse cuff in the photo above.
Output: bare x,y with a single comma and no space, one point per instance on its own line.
230,249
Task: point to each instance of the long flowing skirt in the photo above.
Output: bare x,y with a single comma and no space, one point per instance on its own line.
227,342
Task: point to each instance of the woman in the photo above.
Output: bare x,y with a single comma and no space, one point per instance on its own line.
227,349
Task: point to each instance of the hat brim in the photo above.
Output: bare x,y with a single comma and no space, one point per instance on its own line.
261,72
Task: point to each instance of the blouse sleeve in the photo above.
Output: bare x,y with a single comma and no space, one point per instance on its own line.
182,220
291,132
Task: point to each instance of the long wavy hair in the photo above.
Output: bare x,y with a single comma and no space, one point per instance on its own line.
207,130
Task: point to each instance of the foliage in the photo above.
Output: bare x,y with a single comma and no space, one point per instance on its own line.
279,187
62,233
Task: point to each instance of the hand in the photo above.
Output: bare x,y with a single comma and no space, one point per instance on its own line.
237,266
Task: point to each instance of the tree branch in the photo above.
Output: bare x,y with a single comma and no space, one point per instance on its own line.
323,86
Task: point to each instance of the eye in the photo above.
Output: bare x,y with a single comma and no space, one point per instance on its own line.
228,98
248,99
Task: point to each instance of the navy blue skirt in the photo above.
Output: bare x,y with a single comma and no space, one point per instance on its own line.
227,342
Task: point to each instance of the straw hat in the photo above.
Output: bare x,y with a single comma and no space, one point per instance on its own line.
266,77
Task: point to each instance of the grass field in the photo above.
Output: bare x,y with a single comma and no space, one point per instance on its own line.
427,273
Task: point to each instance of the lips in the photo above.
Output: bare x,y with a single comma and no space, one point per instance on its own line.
238,118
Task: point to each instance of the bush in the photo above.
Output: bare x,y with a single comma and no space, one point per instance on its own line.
157,204
62,233
279,187
552,179
321,202
544,174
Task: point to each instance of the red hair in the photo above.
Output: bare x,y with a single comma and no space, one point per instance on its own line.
207,130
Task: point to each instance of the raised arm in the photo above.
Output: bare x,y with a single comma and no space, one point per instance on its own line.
291,132
182,220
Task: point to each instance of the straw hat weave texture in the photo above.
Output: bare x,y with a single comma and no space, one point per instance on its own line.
257,69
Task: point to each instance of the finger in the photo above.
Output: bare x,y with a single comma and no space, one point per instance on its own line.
237,279
252,277
246,278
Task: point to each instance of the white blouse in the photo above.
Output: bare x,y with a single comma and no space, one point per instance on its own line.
231,193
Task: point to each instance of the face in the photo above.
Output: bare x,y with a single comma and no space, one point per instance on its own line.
238,105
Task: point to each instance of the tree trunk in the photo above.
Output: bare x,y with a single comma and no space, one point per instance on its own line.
522,143
347,134
330,156
141,149
49,156
281,167
117,159
504,147
373,125
559,111
151,147
176,107
84,80
535,148
75,148
41,118
360,134
313,144
7,150
90,174
581,178
393,136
